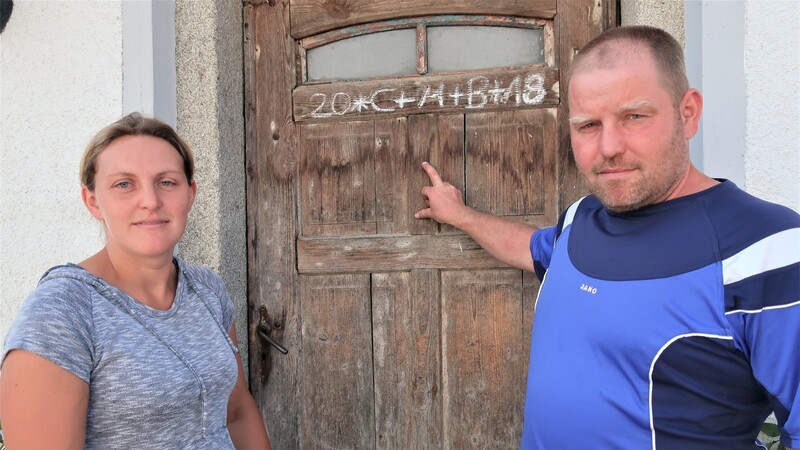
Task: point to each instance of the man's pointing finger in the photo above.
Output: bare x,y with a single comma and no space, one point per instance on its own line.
433,174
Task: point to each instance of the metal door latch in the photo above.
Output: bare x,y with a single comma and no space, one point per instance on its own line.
265,328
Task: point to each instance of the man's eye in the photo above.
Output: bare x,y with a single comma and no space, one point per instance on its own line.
588,125
124,184
168,183
635,116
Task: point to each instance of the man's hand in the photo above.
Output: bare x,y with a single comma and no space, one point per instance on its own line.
504,239
445,202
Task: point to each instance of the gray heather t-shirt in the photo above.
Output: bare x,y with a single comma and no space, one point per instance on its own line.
157,379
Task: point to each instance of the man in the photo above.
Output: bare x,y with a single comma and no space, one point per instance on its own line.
669,316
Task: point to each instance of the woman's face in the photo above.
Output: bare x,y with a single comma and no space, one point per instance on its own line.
142,196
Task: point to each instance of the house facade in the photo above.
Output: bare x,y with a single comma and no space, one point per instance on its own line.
69,68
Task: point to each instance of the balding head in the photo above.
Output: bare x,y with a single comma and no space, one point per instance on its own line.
618,45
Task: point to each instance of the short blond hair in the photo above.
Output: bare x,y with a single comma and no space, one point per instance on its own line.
134,124
604,51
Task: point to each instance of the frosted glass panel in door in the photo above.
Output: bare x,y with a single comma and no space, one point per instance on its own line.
384,54
452,48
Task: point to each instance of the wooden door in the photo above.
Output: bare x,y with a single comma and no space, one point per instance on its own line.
401,333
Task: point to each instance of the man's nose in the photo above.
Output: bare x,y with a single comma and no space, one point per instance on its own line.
611,141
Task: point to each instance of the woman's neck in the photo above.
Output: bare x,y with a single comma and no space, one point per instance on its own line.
152,282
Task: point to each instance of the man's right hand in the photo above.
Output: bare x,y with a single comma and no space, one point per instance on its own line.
504,239
445,202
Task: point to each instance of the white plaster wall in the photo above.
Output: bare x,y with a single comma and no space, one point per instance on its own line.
772,96
60,81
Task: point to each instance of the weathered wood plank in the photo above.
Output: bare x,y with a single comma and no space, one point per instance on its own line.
337,178
511,164
315,16
576,24
449,159
423,145
438,139
422,50
337,393
406,340
391,253
271,216
484,352
505,162
392,167
492,89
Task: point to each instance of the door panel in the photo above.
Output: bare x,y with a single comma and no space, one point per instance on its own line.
407,353
402,333
484,349
336,390
438,139
510,162
337,179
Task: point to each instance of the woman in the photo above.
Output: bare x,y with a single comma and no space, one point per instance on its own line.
131,348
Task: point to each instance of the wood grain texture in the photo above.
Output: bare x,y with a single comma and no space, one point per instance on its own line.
511,164
392,167
391,253
337,179
271,216
315,16
484,356
439,140
338,400
406,338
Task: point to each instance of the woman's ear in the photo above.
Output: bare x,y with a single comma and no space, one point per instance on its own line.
90,200
193,186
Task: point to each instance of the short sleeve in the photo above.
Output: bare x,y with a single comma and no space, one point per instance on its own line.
772,337
541,245
226,303
762,300
55,322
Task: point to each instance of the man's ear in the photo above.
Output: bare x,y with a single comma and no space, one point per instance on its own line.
90,200
691,108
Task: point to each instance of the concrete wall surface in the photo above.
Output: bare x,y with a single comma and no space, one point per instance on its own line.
60,82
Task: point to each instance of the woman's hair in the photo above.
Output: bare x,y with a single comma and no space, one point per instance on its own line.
134,124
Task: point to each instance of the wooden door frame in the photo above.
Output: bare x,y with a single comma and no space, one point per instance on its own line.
271,181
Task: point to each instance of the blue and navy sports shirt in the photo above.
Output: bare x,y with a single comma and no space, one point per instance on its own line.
676,326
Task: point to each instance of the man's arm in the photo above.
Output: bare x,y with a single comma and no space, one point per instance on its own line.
508,241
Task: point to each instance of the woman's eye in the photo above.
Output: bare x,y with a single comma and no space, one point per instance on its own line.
124,184
168,183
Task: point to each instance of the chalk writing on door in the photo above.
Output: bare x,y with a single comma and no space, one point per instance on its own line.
476,93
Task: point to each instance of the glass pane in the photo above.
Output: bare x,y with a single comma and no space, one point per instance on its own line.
384,54
475,47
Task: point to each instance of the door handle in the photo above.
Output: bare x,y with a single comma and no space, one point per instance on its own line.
265,328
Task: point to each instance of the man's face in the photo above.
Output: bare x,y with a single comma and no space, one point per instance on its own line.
627,135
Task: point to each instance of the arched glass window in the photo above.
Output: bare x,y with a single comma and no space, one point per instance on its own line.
420,46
